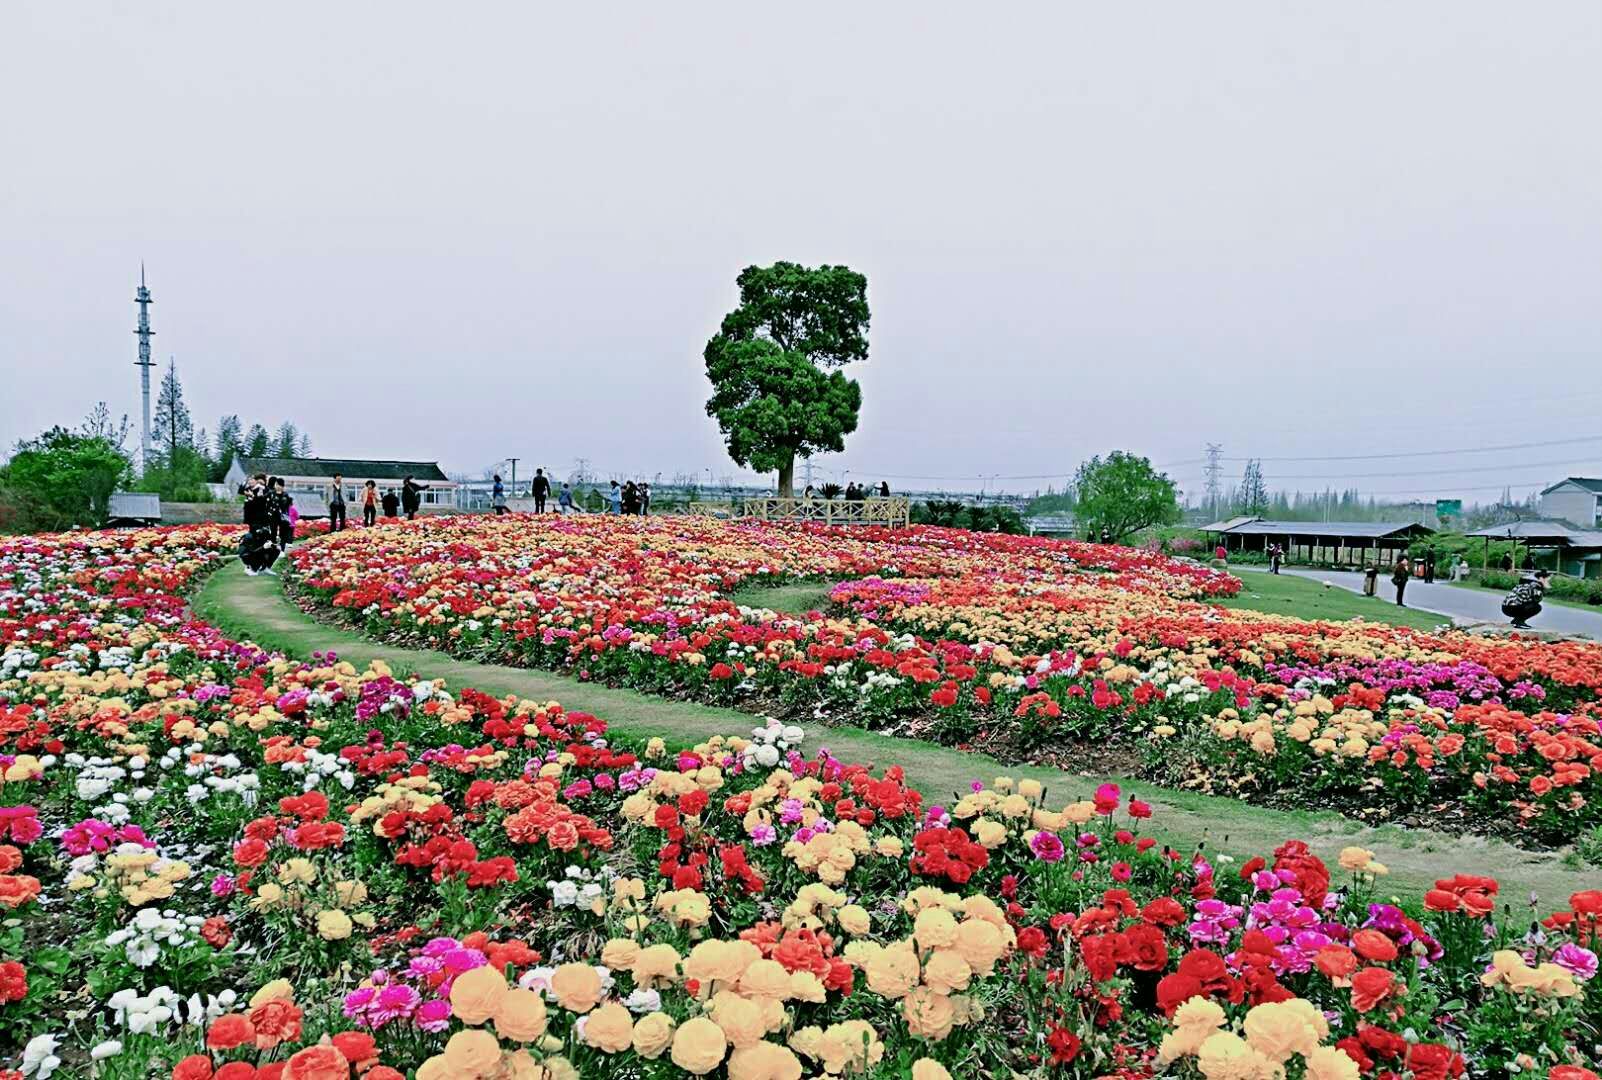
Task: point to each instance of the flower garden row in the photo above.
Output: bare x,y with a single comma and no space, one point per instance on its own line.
1032,641
219,864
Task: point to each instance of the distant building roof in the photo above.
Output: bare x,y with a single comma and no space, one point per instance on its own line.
1563,533
350,468
1590,484
1225,526
1360,530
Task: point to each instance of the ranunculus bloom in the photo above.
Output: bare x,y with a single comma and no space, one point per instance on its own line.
764,1061
228,1031
698,1046
577,987
472,1053
521,1014
652,1034
276,1021
609,1028
1371,987
193,1067
317,1063
476,994
1374,946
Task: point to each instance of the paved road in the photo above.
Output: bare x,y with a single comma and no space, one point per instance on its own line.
1465,605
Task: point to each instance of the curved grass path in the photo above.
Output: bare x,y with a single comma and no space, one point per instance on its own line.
256,609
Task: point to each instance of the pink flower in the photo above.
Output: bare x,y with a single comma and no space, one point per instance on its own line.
1576,960
1047,846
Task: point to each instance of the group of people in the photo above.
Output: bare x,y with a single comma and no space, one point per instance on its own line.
540,488
1520,605
629,497
410,500
270,518
854,492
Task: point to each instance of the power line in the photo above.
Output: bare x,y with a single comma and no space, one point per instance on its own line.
1429,472
1435,453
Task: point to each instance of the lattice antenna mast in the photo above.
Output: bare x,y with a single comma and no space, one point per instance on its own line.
1213,471
144,364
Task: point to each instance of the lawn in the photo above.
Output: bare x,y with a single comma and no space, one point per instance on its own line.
796,598
1284,594
1550,599
257,609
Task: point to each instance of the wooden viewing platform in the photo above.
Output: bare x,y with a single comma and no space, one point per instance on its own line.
893,512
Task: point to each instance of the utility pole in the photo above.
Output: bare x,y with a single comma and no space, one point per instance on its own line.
806,472
1213,471
514,476
144,364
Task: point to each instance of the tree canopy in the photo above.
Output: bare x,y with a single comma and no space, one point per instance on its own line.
59,480
771,395
1123,494
172,429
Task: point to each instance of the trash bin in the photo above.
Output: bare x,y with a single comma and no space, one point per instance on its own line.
1370,580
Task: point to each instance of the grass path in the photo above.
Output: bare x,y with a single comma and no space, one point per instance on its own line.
1286,594
256,609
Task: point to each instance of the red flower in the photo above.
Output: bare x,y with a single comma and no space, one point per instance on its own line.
721,671
229,1031
1371,987
13,982
1064,1045
193,1067
1432,1061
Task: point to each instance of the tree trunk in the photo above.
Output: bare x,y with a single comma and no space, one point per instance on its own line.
787,478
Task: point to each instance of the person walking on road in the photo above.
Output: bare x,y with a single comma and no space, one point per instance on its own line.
370,504
336,504
1399,576
1524,602
542,489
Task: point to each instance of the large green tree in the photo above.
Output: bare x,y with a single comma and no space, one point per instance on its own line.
774,395
59,480
172,429
1123,494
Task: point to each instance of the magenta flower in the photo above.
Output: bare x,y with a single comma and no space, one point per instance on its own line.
1047,846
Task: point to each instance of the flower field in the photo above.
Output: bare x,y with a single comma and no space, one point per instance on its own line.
1029,645
220,863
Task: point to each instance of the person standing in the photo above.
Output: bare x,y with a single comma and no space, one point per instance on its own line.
336,504
645,497
498,496
615,497
1399,576
564,500
259,547
1275,553
411,497
391,504
884,489
1429,566
542,488
370,504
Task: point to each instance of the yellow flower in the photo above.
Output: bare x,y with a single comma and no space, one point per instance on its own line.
521,1014
334,925
577,987
929,1069
929,1014
698,1046
477,994
473,1052
934,928
609,1028
764,1061
652,1034
892,972
854,920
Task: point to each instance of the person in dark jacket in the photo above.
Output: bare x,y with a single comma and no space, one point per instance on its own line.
1429,566
542,490
1399,576
411,497
498,496
391,504
1524,602
259,549
336,504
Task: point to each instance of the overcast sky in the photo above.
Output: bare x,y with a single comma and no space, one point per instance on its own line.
469,231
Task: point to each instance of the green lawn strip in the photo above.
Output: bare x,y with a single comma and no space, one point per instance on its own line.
795,598
1578,605
256,609
1286,594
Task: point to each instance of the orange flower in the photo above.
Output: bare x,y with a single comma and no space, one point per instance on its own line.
317,1063
476,994
17,889
276,1021
228,1031
1371,987
577,987
1374,946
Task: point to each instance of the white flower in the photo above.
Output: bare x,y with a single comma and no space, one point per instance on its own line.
109,1048
767,756
643,1001
39,1056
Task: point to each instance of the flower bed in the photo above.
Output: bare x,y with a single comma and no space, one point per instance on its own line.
218,863
1022,642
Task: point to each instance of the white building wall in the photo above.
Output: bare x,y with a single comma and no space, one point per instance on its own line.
1571,503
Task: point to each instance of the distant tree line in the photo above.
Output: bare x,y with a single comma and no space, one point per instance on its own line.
65,477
